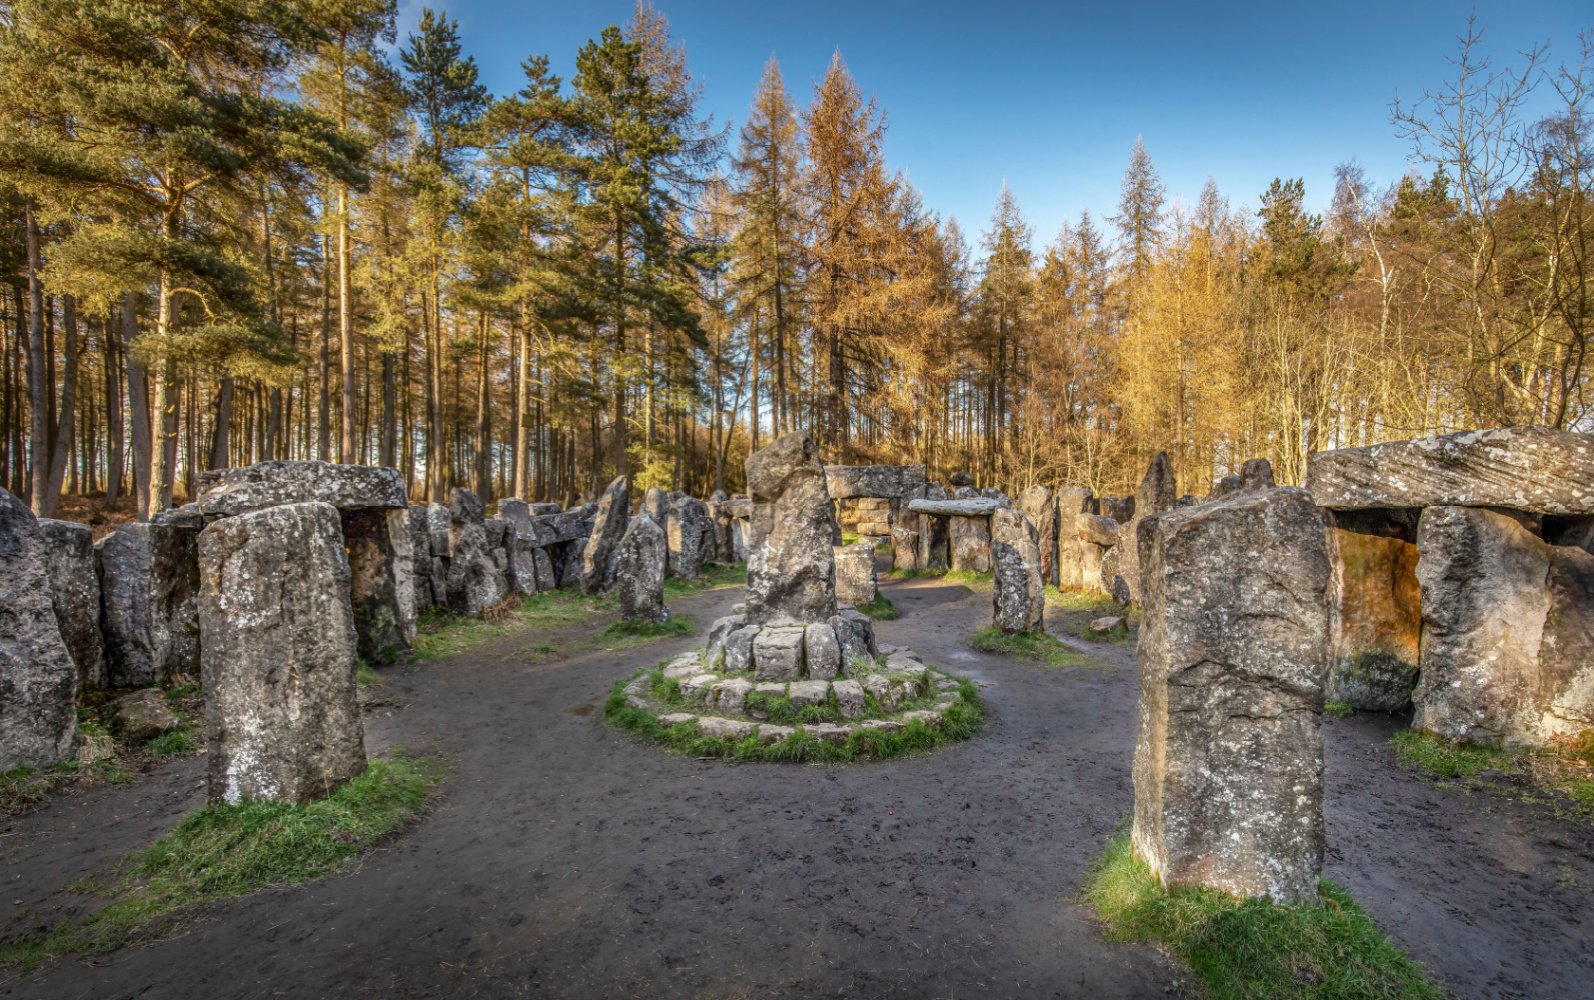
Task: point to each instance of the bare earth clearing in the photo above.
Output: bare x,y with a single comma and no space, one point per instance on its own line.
566,859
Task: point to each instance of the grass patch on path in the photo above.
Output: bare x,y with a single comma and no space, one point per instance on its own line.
880,609
1074,610
222,852
1254,948
970,579
712,577
1561,775
1041,649
674,626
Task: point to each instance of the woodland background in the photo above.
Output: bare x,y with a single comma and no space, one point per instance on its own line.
236,230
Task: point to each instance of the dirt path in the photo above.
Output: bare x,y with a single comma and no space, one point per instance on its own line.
567,860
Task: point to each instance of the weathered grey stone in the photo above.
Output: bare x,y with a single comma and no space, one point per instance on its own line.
791,570
846,482
691,537
730,695
1109,625
1257,474
656,504
474,581
769,733
1524,468
685,665
437,523
855,637
1120,509
523,567
465,507
888,693
75,595
38,678
381,570
149,589
1018,593
821,650
1508,631
778,653
639,572
698,685
1097,530
230,492
676,718
739,649
608,527
281,704
727,729
547,579
421,595
849,698
1227,485
714,645
1158,491
905,549
1039,505
971,544
1071,501
855,574
805,693
1377,621
935,545
562,526
960,478
929,716
1233,653
188,515
971,507
144,714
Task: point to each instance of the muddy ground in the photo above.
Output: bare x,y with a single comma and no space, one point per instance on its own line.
564,859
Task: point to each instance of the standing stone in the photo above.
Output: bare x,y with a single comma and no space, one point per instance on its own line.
75,594
149,591
474,581
382,585
639,571
38,678
1040,505
422,595
1508,631
791,568
691,537
935,535
281,705
1256,474
608,526
855,574
1018,592
656,504
970,539
1233,655
1120,509
1158,493
855,635
1377,620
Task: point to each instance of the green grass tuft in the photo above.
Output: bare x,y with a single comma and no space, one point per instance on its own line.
1443,759
1038,648
1337,709
222,851
712,577
969,578
179,742
880,609
1254,948
677,625
914,574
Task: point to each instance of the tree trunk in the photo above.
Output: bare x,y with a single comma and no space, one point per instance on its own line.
38,391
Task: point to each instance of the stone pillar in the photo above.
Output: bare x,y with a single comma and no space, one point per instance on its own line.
475,581
149,587
75,594
690,537
639,571
855,574
791,568
1233,655
280,653
1040,505
1018,592
970,539
38,678
597,557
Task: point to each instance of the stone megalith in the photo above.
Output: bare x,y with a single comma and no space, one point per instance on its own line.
75,593
791,567
656,504
639,571
1018,592
690,536
856,582
1158,492
970,542
1233,653
282,710
1256,474
608,526
382,584
38,678
475,581
1041,506
149,593
1508,631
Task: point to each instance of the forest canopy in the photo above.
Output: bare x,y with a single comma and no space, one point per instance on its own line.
239,230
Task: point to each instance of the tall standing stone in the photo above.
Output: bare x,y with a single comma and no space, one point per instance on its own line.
691,537
791,569
608,526
1018,592
38,679
149,592
475,580
656,504
1158,492
970,540
856,582
1040,505
1233,654
639,571
281,704
75,593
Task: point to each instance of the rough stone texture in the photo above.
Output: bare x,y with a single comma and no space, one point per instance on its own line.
806,693
381,569
791,569
905,548
1233,653
849,698
959,479
691,537
1120,509
144,714
1157,493
1018,592
639,572
1227,485
730,695
778,653
821,650
975,506
1377,621
556,527
1040,505
465,507
523,566
1072,500
970,539
422,596
268,484
75,595
608,526
547,579
846,482
729,729
38,678
188,515
149,590
935,543
281,705
1524,468
855,574
1256,474
1508,631
656,504
474,582
1097,530
855,637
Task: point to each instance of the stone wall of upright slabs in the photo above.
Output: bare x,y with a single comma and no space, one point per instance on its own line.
38,677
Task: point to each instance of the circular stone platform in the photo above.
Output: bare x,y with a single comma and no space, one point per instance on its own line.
781,690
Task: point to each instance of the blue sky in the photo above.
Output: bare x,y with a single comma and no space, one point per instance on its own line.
1049,97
